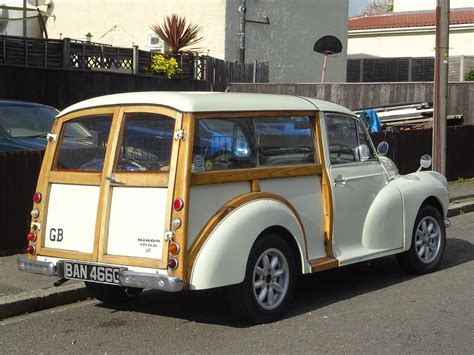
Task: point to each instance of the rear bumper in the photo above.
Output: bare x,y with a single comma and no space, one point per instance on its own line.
127,278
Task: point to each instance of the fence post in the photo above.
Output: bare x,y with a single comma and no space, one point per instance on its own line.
135,59
66,51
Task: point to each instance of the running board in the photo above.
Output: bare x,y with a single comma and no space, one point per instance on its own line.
323,264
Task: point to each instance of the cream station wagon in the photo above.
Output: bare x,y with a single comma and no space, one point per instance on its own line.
191,191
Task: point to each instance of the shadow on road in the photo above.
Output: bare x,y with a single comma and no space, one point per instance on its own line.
312,292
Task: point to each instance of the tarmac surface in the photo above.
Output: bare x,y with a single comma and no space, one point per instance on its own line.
23,292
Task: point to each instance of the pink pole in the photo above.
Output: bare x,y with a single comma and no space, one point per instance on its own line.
323,75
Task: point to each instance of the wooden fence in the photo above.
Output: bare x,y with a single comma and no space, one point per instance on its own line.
19,172
79,55
18,175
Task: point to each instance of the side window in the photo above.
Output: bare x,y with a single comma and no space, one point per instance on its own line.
146,142
364,149
221,144
284,140
342,139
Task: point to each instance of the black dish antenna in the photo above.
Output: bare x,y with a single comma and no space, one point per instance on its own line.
327,45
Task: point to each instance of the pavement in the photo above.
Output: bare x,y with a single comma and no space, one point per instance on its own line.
23,292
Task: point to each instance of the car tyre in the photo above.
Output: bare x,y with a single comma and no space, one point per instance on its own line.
111,294
428,242
269,282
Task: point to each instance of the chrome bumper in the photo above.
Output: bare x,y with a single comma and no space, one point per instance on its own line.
127,278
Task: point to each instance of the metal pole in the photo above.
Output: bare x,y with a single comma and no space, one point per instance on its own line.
243,11
440,86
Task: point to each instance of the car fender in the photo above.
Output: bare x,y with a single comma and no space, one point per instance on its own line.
415,189
222,259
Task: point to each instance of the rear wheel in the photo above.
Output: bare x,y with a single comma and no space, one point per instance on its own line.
111,293
269,281
428,242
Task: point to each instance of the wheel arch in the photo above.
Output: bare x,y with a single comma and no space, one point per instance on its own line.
222,259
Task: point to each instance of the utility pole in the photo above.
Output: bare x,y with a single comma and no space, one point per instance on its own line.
440,109
24,18
243,12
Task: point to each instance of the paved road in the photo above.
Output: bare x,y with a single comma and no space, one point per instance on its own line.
372,308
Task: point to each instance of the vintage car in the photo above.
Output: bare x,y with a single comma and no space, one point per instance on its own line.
191,191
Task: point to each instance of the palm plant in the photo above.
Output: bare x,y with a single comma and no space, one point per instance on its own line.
177,34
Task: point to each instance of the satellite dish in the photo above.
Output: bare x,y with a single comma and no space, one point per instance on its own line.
328,45
36,2
3,18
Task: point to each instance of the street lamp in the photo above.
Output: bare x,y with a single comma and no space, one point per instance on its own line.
88,37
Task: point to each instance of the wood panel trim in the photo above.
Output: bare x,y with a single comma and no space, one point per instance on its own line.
182,190
327,195
235,175
87,112
75,178
165,111
103,211
323,264
143,178
226,210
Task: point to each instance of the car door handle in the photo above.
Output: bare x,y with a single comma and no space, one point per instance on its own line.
340,180
113,179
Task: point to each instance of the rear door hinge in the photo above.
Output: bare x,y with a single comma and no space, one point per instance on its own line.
179,134
51,137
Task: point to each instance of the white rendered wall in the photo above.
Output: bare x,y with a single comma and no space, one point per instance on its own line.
123,23
421,44
420,5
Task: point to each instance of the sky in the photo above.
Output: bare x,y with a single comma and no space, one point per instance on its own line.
356,6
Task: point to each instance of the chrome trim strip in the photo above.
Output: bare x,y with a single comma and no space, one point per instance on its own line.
37,267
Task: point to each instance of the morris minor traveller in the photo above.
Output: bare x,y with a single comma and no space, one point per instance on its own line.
192,191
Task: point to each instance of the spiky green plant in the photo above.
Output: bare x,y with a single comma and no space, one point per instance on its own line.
178,34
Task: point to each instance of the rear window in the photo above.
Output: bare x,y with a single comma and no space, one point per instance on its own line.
20,121
83,143
146,143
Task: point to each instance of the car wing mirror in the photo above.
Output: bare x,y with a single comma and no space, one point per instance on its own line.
382,148
425,162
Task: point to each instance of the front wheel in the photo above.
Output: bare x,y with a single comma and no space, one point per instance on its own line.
269,281
428,242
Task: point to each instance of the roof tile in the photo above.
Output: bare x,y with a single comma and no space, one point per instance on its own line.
401,20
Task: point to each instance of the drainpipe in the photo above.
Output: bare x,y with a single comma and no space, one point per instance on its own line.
243,12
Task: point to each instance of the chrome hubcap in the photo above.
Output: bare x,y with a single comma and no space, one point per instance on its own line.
270,279
427,239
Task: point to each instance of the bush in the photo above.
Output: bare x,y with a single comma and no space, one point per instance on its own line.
469,75
163,66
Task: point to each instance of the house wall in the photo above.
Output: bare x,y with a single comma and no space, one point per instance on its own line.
287,42
123,23
420,5
408,44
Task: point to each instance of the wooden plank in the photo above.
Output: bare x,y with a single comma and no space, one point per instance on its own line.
235,175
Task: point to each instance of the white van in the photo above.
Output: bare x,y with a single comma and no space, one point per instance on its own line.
175,191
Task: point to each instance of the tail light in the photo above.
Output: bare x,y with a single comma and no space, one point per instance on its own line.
31,236
37,197
174,248
173,263
31,249
178,204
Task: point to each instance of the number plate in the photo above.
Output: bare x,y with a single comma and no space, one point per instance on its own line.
91,272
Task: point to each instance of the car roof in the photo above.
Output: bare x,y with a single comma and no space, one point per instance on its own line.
5,102
210,102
